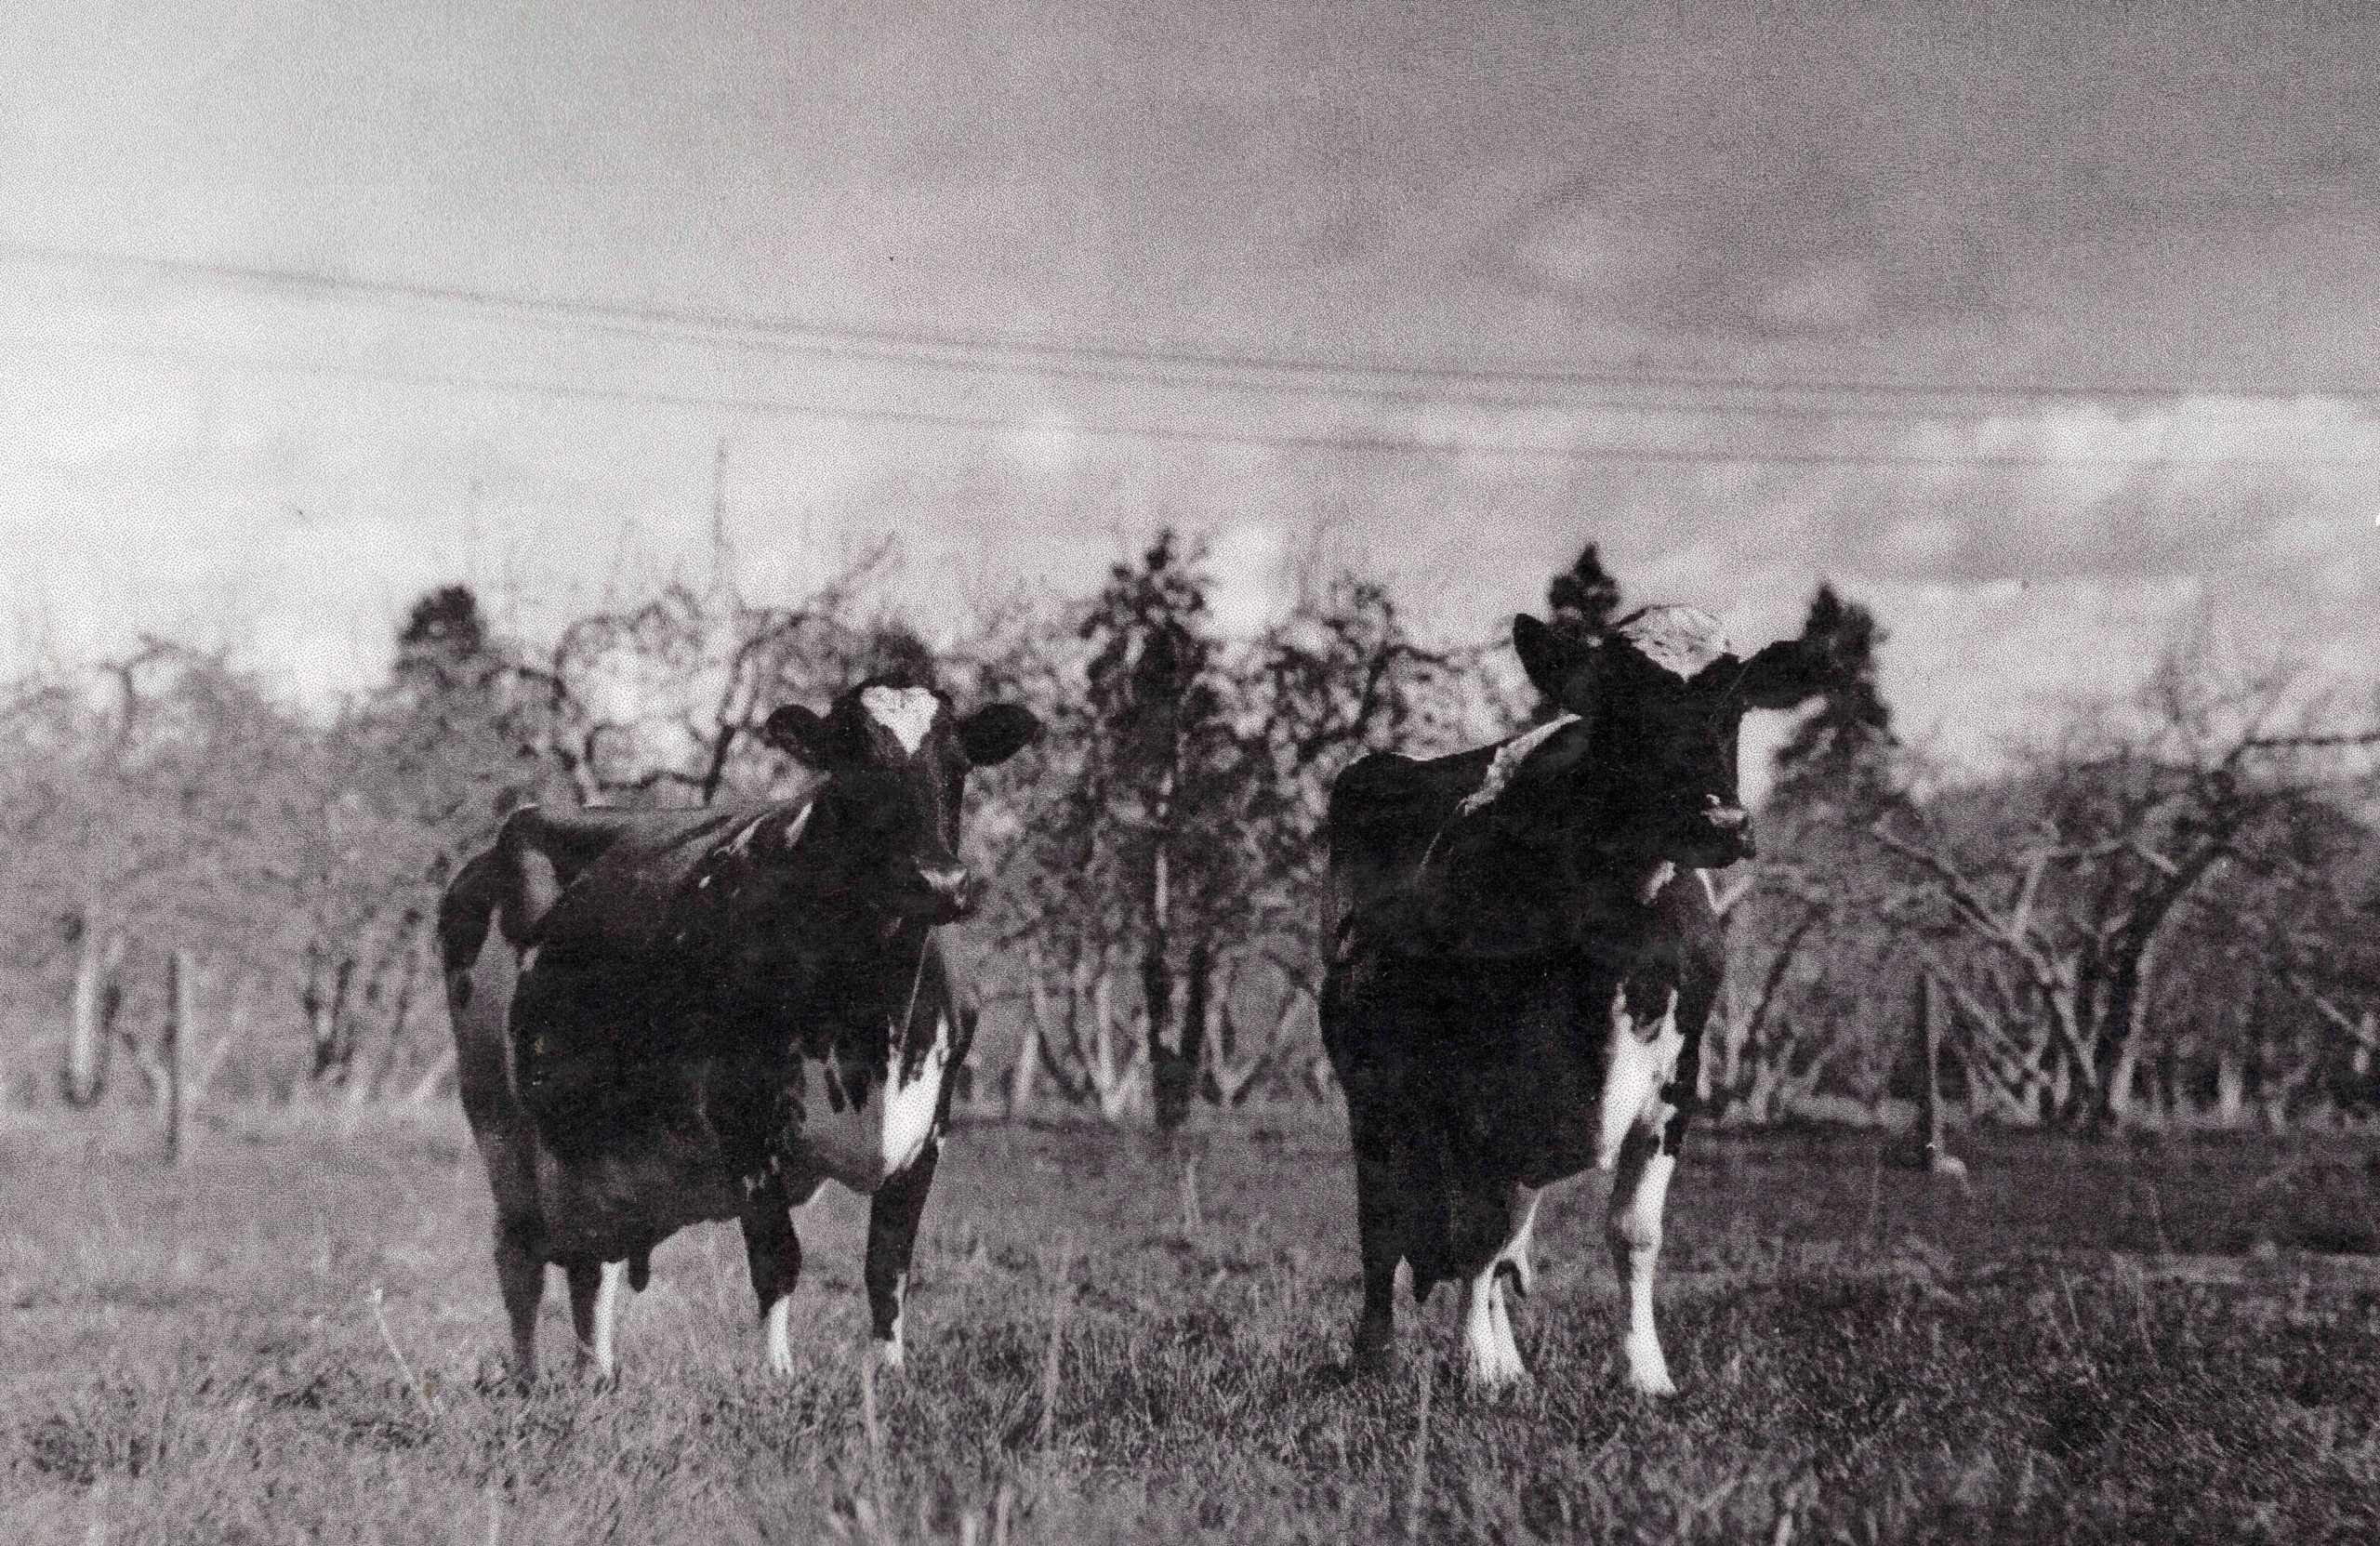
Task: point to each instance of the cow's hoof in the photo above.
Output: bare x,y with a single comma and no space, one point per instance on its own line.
1365,1360
1649,1372
891,1356
1494,1375
503,1376
1495,1378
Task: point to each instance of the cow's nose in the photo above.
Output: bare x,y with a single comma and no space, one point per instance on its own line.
948,882
1731,826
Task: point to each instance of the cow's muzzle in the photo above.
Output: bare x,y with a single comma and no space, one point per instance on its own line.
1718,836
944,892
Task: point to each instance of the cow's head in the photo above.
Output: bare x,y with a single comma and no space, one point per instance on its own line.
1659,698
897,758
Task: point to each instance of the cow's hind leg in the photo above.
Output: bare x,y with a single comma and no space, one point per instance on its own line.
892,1216
1493,1357
773,1252
594,1306
1639,1187
1379,1238
520,1278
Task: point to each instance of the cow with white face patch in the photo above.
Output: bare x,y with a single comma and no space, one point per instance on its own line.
667,1017
1521,966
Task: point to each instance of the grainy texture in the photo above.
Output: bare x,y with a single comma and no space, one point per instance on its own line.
2093,1344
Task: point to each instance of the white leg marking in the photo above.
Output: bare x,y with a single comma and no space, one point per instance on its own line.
1633,1228
780,1337
1488,1316
1511,1349
894,1350
1516,1252
607,1308
1493,1360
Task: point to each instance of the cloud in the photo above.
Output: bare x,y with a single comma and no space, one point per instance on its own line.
1248,564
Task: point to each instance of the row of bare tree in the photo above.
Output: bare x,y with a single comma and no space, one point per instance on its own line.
2163,913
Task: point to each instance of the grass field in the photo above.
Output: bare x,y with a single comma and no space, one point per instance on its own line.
2177,1343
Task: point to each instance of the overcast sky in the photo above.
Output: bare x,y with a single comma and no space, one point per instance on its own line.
2188,199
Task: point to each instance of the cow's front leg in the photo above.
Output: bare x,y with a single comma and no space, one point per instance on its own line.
594,1305
773,1252
1633,1228
892,1216
521,1275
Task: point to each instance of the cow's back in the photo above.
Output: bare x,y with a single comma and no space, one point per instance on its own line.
1385,810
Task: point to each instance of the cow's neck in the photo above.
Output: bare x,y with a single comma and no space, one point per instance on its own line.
1487,895
840,964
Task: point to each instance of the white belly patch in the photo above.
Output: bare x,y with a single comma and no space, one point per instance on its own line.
1643,1056
862,1148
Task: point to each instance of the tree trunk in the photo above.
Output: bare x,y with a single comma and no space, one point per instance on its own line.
1029,1032
1177,1032
2116,1047
1111,1072
1929,1060
426,1088
328,1022
2231,1089
182,1023
1746,1044
1234,1072
90,1022
235,1031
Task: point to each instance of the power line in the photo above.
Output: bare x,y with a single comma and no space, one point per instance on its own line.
1065,357
950,353
1359,443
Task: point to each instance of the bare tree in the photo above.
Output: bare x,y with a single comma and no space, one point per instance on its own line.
2071,877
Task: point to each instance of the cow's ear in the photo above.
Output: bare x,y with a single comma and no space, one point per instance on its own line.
1558,667
997,731
1785,673
802,734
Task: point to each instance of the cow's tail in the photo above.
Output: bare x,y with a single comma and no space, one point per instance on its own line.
477,987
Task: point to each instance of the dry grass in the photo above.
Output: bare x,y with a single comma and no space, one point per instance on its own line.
2091,1344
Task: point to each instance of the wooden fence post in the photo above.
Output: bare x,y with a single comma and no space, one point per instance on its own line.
1933,1148
90,1017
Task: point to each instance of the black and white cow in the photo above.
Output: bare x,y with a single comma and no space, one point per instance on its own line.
667,1017
1521,966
